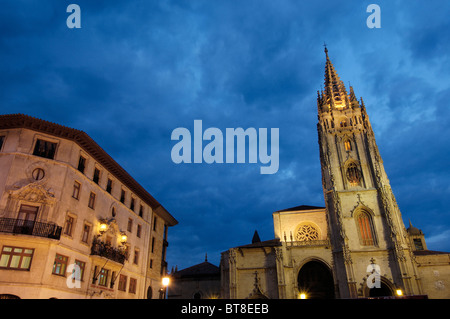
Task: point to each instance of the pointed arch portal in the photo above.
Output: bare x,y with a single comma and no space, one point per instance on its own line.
316,281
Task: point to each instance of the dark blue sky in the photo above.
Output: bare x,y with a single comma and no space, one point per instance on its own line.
136,70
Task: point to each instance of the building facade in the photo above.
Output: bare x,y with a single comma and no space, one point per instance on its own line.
357,245
73,222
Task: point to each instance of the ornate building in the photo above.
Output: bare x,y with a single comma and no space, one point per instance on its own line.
73,222
357,246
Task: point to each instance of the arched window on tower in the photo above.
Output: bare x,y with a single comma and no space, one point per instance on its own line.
353,175
365,228
347,145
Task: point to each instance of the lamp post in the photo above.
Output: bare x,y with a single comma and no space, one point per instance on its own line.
163,290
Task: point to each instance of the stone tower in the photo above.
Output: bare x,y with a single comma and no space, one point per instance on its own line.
365,225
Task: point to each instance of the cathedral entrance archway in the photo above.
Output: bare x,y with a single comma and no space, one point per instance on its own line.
316,281
386,290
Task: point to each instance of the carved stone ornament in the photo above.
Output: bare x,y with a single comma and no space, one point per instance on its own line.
35,193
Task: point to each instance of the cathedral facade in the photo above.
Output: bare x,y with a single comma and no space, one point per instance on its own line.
357,246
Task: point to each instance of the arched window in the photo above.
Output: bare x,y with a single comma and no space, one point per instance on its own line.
365,227
347,145
353,175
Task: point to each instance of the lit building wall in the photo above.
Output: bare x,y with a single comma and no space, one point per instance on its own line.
58,188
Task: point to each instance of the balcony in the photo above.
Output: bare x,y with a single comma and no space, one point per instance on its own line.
102,249
30,227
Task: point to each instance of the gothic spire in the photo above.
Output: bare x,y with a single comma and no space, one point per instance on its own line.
334,88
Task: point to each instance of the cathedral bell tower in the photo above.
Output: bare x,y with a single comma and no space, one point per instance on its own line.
365,223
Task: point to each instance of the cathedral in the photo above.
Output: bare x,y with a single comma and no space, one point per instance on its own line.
357,246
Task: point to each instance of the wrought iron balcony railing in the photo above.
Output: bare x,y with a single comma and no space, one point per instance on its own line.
102,249
30,227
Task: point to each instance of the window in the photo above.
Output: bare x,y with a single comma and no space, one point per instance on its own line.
122,283
130,225
347,145
136,256
365,229
96,176
17,258
82,265
38,174
91,203
138,233
153,244
122,196
151,263
44,149
2,139
141,211
353,174
109,185
132,288
81,164
154,223
60,265
103,277
76,190
69,226
418,243
132,204
26,219
86,232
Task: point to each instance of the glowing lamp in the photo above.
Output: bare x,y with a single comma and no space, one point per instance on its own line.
103,227
302,295
165,281
399,292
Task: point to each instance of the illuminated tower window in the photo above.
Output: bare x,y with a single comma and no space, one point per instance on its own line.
365,227
347,145
353,175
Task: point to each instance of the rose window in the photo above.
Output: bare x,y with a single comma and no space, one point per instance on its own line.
307,232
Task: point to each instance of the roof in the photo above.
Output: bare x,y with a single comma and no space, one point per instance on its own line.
300,208
268,243
13,121
429,252
203,269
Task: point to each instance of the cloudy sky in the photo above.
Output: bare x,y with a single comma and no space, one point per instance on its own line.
137,70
